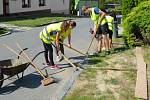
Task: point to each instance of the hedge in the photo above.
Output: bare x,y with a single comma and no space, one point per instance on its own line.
127,6
137,25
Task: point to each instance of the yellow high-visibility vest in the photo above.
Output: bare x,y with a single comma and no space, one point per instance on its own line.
65,34
48,34
110,22
95,18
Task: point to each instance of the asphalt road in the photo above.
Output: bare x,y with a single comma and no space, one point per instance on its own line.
30,87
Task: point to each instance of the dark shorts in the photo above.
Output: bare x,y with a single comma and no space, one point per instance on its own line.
103,29
110,32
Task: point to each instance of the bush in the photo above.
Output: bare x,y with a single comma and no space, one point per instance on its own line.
137,25
127,5
3,30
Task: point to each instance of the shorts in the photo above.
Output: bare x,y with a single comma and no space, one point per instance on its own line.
110,32
102,29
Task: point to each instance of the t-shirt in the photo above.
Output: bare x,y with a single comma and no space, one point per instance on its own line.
97,10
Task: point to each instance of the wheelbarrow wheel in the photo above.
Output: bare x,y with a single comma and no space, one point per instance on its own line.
1,77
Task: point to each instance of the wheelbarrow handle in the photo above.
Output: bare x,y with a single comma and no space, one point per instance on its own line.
21,52
28,58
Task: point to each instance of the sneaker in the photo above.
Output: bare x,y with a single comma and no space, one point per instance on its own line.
55,67
103,48
59,58
96,53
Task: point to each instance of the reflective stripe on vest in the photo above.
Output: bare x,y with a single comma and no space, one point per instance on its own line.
95,18
48,34
110,22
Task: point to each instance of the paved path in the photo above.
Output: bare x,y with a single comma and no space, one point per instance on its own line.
30,88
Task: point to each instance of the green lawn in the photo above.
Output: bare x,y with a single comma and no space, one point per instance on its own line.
34,20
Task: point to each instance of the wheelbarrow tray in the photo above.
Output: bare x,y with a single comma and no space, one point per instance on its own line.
12,67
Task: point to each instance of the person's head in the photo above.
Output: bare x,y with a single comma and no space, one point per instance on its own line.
64,26
72,24
85,9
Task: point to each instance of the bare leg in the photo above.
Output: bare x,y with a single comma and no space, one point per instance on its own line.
99,40
106,43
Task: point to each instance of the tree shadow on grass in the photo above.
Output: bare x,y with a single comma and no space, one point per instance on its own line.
119,50
98,58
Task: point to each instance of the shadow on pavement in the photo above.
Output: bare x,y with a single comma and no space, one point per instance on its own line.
28,81
6,34
78,58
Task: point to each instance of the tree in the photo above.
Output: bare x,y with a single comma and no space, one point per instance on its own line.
101,4
127,5
137,25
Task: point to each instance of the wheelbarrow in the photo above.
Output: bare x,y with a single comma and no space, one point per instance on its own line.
12,67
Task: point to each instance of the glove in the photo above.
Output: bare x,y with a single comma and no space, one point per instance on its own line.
69,45
91,31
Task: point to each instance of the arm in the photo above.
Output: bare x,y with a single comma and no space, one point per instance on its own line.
94,29
69,40
102,15
57,40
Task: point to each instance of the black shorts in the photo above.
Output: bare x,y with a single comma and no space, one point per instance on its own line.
103,29
110,32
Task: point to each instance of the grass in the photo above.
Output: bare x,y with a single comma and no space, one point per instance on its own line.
113,81
34,20
3,30
120,39
106,84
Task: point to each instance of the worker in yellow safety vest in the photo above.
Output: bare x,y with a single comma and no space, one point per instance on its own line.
49,34
63,36
110,20
100,25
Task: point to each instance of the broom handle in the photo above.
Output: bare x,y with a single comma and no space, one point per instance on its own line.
37,69
66,58
73,49
17,54
90,44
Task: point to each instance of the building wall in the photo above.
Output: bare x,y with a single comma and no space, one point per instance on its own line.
1,7
15,6
56,6
59,6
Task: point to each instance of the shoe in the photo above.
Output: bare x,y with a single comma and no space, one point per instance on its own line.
59,58
55,67
103,48
96,53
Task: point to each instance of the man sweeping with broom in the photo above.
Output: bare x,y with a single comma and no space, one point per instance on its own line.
100,25
49,34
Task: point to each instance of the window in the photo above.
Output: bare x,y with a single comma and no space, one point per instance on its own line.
26,3
42,3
